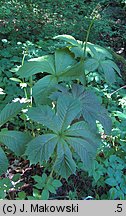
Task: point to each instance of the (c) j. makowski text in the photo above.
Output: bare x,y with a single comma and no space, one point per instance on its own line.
36,208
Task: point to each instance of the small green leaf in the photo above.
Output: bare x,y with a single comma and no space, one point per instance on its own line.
39,185
56,183
113,193
21,195
111,181
44,177
16,177
36,194
15,80
2,194
37,178
45,194
51,188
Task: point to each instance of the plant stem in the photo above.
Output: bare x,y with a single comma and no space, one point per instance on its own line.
23,59
25,92
51,173
31,100
87,37
84,45
117,90
30,81
22,63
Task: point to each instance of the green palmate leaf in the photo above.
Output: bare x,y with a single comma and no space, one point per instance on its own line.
77,47
37,65
43,88
16,141
91,108
62,66
41,148
67,110
3,162
52,64
74,46
9,111
44,115
84,142
67,136
101,58
64,164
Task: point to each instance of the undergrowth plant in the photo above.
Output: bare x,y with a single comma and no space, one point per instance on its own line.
64,104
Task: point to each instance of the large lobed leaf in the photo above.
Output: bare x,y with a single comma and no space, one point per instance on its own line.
15,140
64,164
91,108
9,111
67,38
63,60
41,148
44,115
61,66
43,88
67,109
84,142
37,65
77,47
99,58
65,137
52,64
